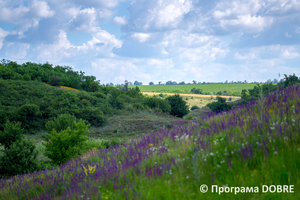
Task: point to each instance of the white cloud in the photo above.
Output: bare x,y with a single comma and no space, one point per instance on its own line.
247,23
120,20
290,53
3,34
85,20
17,15
141,37
287,35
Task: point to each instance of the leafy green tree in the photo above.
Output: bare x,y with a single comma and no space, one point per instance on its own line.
55,80
28,115
290,80
19,158
62,122
66,144
220,105
12,133
158,103
179,107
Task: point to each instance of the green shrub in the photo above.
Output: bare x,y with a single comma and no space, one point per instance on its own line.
111,143
190,117
67,143
220,105
99,95
55,80
154,102
93,115
195,107
179,107
20,158
62,122
115,100
138,106
29,116
12,133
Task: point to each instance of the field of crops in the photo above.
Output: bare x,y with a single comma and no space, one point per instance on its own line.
247,147
187,88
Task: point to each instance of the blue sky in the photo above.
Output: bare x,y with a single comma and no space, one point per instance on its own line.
156,40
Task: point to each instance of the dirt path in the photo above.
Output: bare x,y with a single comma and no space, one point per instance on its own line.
190,95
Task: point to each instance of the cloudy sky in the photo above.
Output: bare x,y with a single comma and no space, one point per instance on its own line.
156,40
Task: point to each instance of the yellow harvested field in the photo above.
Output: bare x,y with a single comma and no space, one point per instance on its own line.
190,95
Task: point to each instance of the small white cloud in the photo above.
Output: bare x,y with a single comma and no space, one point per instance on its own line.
290,53
287,35
247,23
164,52
141,37
250,56
120,20
3,34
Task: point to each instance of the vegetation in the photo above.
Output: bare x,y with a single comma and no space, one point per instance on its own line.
66,143
179,107
245,147
19,155
195,107
220,105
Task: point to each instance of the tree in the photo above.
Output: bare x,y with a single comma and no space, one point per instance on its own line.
151,83
181,83
194,82
219,106
137,83
179,107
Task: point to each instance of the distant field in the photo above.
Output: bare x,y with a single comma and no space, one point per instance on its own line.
206,88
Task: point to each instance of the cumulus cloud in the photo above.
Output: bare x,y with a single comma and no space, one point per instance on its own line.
17,15
84,20
120,20
141,37
159,40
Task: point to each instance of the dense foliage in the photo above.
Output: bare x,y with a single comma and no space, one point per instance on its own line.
66,143
220,105
179,107
19,155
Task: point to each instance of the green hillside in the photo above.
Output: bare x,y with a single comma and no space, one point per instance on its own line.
253,146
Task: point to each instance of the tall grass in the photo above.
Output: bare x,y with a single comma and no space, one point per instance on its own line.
252,145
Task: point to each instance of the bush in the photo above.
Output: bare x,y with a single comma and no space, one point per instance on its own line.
114,99
93,115
12,133
179,107
67,143
220,105
62,122
20,158
160,104
195,107
138,106
55,80
28,115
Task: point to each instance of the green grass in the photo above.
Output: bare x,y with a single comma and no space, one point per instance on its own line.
206,87
250,146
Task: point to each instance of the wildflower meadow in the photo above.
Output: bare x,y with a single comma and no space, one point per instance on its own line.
252,145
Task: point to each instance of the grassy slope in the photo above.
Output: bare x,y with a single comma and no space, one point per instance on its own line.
206,88
249,146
